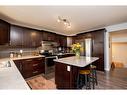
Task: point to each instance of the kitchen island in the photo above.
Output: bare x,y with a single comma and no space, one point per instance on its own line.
66,70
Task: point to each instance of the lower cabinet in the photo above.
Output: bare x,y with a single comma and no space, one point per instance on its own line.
65,76
31,67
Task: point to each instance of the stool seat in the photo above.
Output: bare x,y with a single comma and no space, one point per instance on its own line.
84,72
93,67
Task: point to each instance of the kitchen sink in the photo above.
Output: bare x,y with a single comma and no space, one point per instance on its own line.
5,64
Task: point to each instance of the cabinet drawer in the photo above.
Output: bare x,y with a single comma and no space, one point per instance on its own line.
36,72
38,66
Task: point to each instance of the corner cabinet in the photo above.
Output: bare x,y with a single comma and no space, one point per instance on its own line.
31,67
4,32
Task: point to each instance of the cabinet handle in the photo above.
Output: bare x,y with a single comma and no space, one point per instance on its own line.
35,64
35,72
28,60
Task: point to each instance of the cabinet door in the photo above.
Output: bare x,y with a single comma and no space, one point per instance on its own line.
39,65
98,48
16,36
98,35
45,36
27,68
4,32
62,76
63,41
18,64
31,38
25,37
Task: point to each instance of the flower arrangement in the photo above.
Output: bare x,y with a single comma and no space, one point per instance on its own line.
76,48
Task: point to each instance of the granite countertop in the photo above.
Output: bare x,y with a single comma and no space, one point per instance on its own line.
79,62
10,77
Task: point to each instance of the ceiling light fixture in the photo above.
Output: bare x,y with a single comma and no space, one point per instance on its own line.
65,21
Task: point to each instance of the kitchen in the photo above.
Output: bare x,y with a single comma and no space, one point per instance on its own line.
38,58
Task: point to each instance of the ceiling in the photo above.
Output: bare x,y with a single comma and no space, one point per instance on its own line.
82,18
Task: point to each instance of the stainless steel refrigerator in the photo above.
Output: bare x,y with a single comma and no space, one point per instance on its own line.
87,47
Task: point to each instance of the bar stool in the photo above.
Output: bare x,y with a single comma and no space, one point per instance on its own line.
93,75
84,79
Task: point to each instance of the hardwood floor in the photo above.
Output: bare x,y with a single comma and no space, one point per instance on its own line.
115,79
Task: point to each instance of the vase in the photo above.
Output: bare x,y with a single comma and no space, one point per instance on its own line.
77,54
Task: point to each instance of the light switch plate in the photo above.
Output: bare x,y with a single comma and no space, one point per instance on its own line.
68,68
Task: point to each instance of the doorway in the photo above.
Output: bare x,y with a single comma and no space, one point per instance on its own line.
118,49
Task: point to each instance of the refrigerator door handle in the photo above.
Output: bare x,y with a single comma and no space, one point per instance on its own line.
93,41
92,47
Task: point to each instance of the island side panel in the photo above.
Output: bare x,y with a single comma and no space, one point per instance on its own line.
64,78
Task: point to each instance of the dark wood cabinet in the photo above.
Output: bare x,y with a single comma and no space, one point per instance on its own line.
63,41
4,32
98,47
65,79
25,37
31,67
31,38
16,36
18,64
49,36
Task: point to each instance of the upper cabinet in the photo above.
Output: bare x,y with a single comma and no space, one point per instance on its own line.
25,37
48,36
16,36
60,39
31,38
4,32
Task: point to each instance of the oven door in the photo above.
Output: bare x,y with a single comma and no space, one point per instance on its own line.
49,65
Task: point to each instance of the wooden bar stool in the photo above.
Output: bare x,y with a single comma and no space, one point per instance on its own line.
84,79
93,75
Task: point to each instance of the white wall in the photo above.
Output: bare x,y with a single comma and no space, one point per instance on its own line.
119,52
109,29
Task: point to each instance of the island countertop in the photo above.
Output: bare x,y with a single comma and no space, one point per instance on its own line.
82,61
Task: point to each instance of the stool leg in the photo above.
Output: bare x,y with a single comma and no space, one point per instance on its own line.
96,77
86,81
93,80
77,84
89,81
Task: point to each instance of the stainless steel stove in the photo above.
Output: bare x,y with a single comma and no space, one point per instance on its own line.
49,63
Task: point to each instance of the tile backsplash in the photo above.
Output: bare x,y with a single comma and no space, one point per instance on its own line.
5,51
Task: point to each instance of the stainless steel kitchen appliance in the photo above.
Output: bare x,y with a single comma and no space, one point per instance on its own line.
49,63
47,49
87,47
